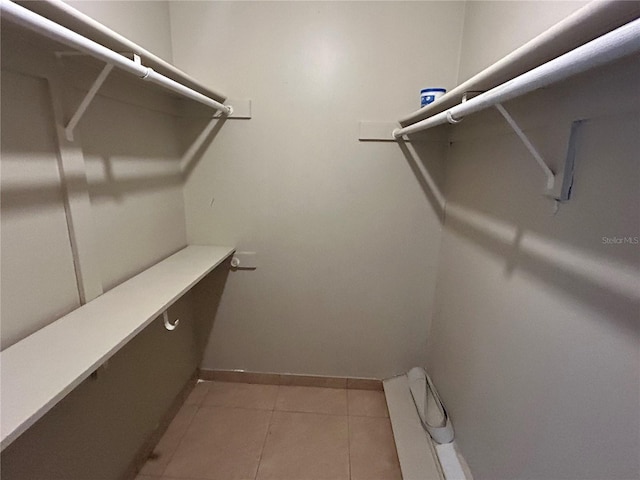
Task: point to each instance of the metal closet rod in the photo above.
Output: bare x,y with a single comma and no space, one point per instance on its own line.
612,46
32,21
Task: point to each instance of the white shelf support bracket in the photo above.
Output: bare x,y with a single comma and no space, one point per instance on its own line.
551,179
86,101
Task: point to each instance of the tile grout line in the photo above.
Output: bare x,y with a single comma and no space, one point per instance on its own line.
273,409
266,436
314,413
349,434
367,416
237,408
361,415
198,407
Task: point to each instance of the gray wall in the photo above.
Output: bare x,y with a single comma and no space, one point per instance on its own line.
534,345
346,235
132,154
33,222
135,184
535,330
146,23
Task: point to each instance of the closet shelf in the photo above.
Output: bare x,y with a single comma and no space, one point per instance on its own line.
615,45
29,20
586,24
40,370
67,16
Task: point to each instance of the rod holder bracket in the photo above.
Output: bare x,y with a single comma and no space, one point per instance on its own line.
452,120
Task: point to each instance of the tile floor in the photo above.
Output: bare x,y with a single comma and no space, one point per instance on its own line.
239,431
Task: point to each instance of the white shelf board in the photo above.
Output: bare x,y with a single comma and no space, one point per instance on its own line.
377,131
38,371
73,19
241,108
587,23
416,453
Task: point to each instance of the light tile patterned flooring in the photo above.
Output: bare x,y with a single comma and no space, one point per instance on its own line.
239,431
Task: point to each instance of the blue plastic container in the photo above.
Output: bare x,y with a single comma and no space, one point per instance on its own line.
430,95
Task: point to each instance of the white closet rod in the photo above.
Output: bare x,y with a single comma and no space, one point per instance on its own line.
44,26
610,47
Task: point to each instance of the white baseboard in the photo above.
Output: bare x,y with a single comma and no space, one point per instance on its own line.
420,458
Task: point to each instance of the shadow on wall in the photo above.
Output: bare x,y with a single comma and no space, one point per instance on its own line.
605,286
206,296
495,206
537,316
128,147
559,251
198,143
116,186
119,186
39,192
425,155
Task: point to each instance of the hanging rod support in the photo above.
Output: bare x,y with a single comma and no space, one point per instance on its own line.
536,155
452,120
86,101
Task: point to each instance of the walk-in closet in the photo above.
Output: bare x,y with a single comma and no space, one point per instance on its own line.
320,240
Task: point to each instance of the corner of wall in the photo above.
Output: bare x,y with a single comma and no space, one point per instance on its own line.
461,39
167,4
